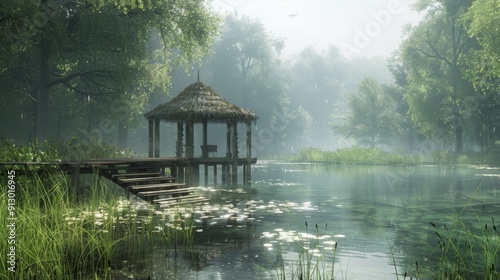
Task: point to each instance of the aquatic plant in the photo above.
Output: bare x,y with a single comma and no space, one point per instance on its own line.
314,260
466,252
360,155
356,155
60,236
449,157
467,247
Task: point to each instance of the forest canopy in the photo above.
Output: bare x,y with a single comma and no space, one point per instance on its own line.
92,68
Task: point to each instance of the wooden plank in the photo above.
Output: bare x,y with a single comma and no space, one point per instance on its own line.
153,186
124,168
149,174
179,198
161,192
187,201
146,179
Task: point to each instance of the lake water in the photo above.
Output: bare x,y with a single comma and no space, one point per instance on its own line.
373,215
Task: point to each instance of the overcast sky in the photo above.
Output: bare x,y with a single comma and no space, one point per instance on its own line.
357,27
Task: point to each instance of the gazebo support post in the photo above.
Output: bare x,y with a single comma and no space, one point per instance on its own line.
150,145
225,168
196,175
157,138
228,141
223,174
206,173
190,176
215,174
189,140
248,166
180,174
204,151
180,136
234,153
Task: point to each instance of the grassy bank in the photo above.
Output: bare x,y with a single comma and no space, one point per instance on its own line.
359,155
60,235
54,231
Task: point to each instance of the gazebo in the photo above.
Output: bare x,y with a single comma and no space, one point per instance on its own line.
199,103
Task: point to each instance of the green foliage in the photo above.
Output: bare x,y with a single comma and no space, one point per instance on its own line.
49,151
101,49
371,117
91,150
61,236
449,157
435,53
245,69
482,21
37,151
355,154
362,155
467,251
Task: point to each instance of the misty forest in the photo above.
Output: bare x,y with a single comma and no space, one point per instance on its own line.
324,163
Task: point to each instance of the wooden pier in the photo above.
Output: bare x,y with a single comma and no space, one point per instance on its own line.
170,180
162,181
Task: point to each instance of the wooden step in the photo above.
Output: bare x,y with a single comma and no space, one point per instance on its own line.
173,203
179,198
162,192
125,168
157,186
146,179
148,174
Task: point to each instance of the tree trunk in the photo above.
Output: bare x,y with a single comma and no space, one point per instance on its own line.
42,118
459,133
122,135
411,138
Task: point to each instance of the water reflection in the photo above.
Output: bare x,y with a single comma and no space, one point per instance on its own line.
356,218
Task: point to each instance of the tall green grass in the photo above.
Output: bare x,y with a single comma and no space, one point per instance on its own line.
356,155
314,260
61,236
467,250
359,155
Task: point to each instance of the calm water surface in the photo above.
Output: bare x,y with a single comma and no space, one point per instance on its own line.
363,211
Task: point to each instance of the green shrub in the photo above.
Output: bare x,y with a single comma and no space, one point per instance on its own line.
47,151
355,155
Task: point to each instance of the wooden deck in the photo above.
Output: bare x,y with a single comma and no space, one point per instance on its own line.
162,181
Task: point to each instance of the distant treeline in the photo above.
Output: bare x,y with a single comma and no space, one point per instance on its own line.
99,68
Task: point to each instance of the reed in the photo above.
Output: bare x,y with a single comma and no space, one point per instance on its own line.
357,155
61,236
467,252
314,260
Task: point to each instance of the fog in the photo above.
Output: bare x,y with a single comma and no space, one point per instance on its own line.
358,28
310,70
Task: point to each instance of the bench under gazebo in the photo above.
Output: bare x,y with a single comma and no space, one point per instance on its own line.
199,103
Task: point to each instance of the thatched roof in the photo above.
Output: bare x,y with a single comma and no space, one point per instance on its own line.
199,102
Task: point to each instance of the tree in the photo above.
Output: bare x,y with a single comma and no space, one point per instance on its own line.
316,86
435,52
398,93
482,21
95,48
370,119
245,68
